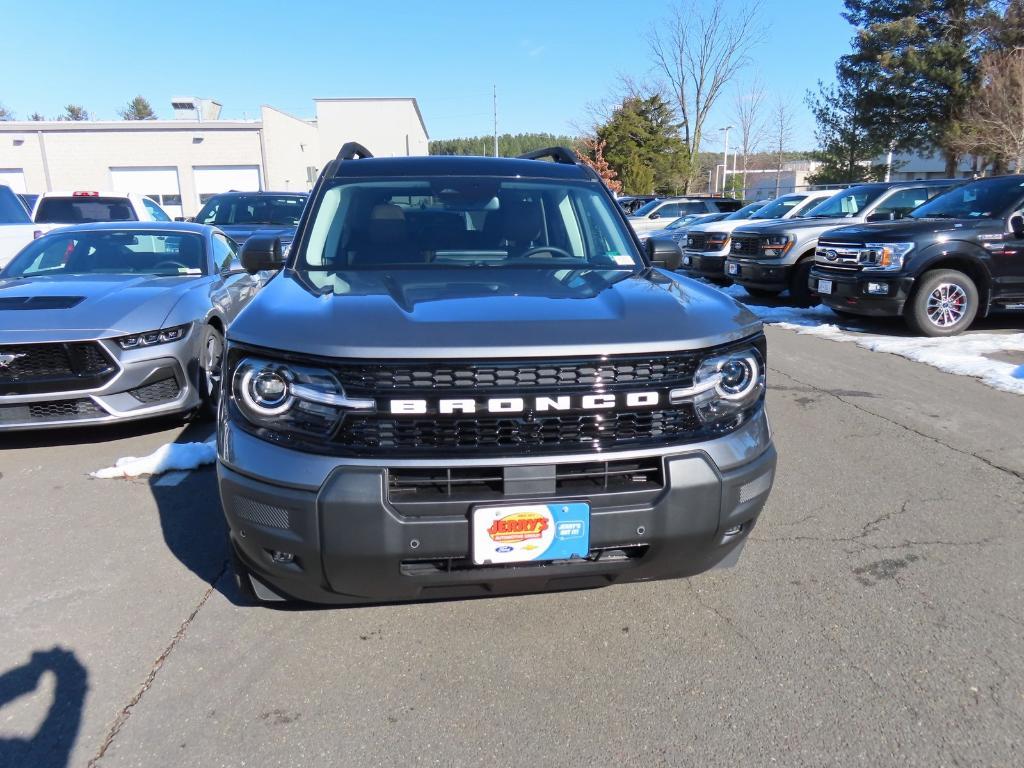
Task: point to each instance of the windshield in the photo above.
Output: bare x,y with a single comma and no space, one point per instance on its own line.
279,210
136,252
11,209
779,207
465,222
84,209
848,203
986,199
745,212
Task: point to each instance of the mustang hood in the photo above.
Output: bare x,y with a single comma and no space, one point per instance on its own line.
72,307
242,232
470,312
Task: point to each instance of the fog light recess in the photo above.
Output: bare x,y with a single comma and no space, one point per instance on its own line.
756,487
878,289
282,557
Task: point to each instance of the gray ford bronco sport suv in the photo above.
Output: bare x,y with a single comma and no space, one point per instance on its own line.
466,380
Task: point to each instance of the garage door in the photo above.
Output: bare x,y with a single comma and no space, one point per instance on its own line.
213,179
160,184
13,178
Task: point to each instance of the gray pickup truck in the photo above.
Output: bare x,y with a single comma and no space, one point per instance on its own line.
467,380
769,258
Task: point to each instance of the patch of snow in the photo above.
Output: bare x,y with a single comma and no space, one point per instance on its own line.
172,456
965,355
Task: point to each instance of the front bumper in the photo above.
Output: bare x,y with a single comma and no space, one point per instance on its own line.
852,291
352,542
759,274
149,382
705,264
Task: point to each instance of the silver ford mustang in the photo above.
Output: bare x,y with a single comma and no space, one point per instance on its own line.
111,322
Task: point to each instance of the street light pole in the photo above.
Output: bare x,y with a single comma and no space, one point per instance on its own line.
725,155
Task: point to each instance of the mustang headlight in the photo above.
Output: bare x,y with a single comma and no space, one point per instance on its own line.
151,338
884,257
725,388
287,397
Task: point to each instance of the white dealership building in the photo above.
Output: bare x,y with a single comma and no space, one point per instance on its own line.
181,162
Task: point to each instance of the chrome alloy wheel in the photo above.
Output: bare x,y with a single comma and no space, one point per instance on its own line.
947,305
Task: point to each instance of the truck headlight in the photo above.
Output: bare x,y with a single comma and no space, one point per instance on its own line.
725,388
718,241
884,257
290,398
777,245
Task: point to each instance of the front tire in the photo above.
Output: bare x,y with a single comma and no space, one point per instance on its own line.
944,303
211,362
799,290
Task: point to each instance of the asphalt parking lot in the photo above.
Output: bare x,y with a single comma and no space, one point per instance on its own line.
875,619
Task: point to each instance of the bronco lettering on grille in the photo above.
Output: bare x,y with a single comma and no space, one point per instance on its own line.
595,402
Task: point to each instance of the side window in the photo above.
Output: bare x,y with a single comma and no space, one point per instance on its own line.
156,213
223,251
902,202
670,211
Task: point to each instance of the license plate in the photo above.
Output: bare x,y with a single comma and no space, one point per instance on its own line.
732,269
825,286
529,532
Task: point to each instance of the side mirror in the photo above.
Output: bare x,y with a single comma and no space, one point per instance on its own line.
1017,226
654,216
261,253
664,252
881,216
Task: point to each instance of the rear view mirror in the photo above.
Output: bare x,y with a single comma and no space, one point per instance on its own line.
262,253
1017,226
663,252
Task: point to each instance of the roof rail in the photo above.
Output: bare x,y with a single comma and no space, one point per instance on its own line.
554,154
352,150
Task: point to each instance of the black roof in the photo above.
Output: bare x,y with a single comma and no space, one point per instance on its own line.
461,165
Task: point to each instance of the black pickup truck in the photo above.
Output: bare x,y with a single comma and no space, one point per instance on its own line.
949,261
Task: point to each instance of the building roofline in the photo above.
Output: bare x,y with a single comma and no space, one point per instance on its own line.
415,105
305,120
61,126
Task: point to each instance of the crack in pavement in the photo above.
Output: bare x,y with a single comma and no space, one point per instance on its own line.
126,711
838,395
728,621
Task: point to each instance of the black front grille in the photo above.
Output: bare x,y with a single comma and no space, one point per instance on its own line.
747,245
58,367
523,434
58,410
157,392
367,380
697,241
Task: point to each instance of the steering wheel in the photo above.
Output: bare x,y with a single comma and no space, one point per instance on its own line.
553,249
169,263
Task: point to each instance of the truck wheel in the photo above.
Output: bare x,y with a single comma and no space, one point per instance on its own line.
799,291
761,293
945,303
210,364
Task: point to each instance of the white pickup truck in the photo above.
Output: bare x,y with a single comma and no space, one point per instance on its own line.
16,227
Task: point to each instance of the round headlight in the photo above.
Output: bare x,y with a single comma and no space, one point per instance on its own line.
266,391
739,375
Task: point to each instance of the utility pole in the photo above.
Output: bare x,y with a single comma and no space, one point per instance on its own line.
725,156
495,120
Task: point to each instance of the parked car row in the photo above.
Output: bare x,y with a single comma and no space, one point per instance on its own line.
937,252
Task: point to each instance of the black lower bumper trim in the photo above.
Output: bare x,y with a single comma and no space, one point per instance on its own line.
769,276
850,292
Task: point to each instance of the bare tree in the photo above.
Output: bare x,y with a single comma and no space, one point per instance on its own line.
5,113
780,135
698,49
994,125
748,115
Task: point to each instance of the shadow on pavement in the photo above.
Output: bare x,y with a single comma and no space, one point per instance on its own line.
51,745
86,435
191,519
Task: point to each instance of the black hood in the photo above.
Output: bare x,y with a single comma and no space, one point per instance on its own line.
906,230
452,313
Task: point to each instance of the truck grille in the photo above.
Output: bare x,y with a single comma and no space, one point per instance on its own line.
747,245
697,241
58,367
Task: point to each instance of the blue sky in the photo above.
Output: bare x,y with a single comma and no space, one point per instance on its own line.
548,59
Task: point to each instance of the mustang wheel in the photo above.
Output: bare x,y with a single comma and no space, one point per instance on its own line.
210,366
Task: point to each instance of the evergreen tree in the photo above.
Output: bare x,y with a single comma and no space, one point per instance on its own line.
138,109
917,61
36,117
5,113
642,143
74,112
846,148
509,145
